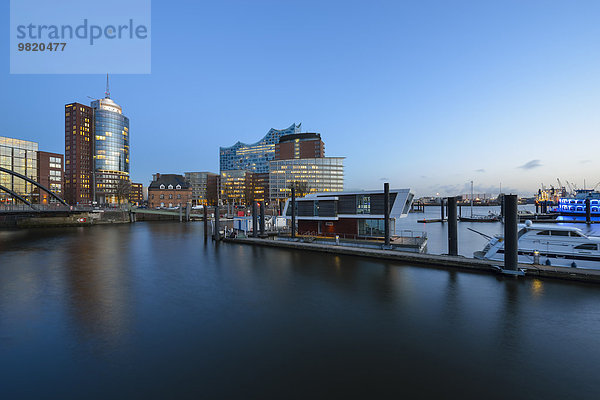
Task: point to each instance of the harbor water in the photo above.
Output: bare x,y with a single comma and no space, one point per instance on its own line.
150,310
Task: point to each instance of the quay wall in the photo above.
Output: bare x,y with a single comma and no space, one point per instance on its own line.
431,260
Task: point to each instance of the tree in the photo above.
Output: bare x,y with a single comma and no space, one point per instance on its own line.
123,190
302,188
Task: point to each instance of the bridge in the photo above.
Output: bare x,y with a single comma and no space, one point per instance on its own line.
27,179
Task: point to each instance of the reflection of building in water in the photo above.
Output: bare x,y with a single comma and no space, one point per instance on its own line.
99,283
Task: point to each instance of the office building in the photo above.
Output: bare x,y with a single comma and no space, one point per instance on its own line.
50,175
79,156
169,190
253,157
310,175
96,151
20,156
300,145
351,214
136,194
111,149
199,181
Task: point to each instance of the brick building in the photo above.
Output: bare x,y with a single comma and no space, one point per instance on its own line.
79,157
169,190
300,145
50,175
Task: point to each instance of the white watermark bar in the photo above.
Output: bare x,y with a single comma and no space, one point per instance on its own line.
80,37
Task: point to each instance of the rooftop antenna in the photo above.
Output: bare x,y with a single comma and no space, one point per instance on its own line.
107,93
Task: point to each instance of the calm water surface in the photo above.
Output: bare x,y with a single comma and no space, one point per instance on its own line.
149,311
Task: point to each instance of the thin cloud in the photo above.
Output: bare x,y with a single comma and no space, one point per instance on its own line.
585,161
480,170
531,164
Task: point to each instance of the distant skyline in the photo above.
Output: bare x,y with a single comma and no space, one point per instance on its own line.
428,95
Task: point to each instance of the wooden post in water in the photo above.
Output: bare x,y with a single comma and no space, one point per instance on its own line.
262,219
205,208
254,220
442,208
293,211
386,212
588,211
216,235
452,227
511,241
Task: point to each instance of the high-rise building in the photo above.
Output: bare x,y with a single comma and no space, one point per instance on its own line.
199,181
79,161
111,149
254,157
19,156
310,175
300,145
96,151
50,175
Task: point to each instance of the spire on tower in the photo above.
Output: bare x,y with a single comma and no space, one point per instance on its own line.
107,93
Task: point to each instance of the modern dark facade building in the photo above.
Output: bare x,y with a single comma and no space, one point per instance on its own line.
79,155
300,145
254,157
50,175
169,190
351,214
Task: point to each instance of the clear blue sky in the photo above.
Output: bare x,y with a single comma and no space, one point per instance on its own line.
424,94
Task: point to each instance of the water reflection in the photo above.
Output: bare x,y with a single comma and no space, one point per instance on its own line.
187,318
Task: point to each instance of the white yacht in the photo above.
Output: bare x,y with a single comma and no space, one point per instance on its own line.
561,246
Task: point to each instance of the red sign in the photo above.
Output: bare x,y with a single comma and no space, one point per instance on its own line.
240,213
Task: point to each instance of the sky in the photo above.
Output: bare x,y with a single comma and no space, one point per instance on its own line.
422,94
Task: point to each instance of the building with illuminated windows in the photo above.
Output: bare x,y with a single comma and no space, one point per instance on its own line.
324,174
79,155
96,151
200,183
254,157
300,145
111,149
50,175
19,156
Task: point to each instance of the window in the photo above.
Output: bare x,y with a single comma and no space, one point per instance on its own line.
363,204
560,233
162,196
545,233
576,234
162,186
587,246
178,187
178,196
170,186
152,197
170,196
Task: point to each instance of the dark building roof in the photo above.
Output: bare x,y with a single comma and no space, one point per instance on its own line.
301,136
169,179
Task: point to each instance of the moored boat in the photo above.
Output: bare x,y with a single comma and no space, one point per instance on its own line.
563,246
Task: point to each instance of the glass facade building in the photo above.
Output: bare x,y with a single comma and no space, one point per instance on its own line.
254,157
19,156
111,150
324,174
199,181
